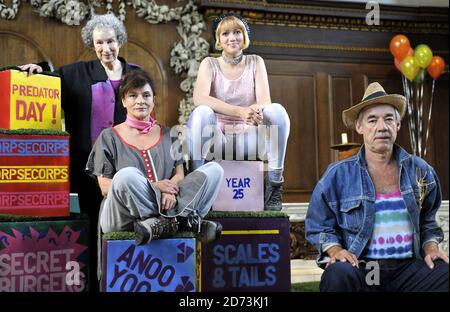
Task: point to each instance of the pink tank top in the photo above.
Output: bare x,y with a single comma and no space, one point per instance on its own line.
239,92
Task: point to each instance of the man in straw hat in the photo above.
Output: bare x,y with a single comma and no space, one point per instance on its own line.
372,216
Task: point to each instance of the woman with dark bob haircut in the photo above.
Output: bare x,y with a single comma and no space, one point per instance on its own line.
90,99
142,180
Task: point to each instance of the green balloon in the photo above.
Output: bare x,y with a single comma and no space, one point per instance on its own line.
409,68
420,76
423,55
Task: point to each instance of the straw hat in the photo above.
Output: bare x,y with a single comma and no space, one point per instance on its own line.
374,94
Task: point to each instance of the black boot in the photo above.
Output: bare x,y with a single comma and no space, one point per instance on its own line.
154,228
273,195
208,232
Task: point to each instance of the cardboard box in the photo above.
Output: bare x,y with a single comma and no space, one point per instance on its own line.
29,102
34,175
44,256
252,255
242,186
167,265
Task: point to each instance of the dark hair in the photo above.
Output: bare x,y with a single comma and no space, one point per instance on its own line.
135,79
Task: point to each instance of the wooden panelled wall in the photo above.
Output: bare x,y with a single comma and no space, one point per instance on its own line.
319,61
31,38
315,94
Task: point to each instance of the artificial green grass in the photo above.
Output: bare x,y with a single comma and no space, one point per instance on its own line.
211,215
130,235
118,236
305,287
15,218
34,132
246,214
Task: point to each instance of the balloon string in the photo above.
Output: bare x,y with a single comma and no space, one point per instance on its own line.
405,90
410,114
413,109
416,109
407,101
420,119
429,118
413,118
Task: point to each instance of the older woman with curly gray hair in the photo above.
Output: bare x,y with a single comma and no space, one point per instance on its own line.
103,21
91,101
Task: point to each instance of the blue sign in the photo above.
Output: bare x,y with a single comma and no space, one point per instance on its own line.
34,147
166,265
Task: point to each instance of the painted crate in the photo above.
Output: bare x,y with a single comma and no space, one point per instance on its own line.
34,175
29,102
167,265
44,256
242,186
252,255
74,203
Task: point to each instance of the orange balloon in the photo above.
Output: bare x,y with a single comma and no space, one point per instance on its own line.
410,52
399,47
397,62
436,67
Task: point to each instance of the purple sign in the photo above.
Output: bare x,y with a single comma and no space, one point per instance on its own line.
48,256
253,254
166,265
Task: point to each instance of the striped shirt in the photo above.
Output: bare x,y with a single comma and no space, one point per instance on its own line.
392,236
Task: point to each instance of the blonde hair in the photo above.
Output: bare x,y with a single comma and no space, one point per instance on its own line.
228,22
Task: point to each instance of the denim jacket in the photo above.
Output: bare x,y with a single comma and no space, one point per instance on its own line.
342,207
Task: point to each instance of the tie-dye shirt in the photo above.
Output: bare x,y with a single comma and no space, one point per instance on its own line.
392,236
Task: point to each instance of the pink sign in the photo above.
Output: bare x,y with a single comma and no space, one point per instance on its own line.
37,259
242,186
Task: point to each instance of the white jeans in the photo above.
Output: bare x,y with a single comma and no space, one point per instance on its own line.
204,133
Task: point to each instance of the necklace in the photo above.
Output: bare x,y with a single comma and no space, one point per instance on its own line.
232,60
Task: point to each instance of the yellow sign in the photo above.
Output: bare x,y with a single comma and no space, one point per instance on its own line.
34,174
34,101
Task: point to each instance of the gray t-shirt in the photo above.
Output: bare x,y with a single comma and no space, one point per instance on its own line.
111,153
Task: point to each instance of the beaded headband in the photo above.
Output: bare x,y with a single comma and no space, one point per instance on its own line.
219,19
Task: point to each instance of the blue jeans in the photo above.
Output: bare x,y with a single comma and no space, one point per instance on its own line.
409,276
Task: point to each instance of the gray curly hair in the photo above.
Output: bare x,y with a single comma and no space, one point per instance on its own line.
103,21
